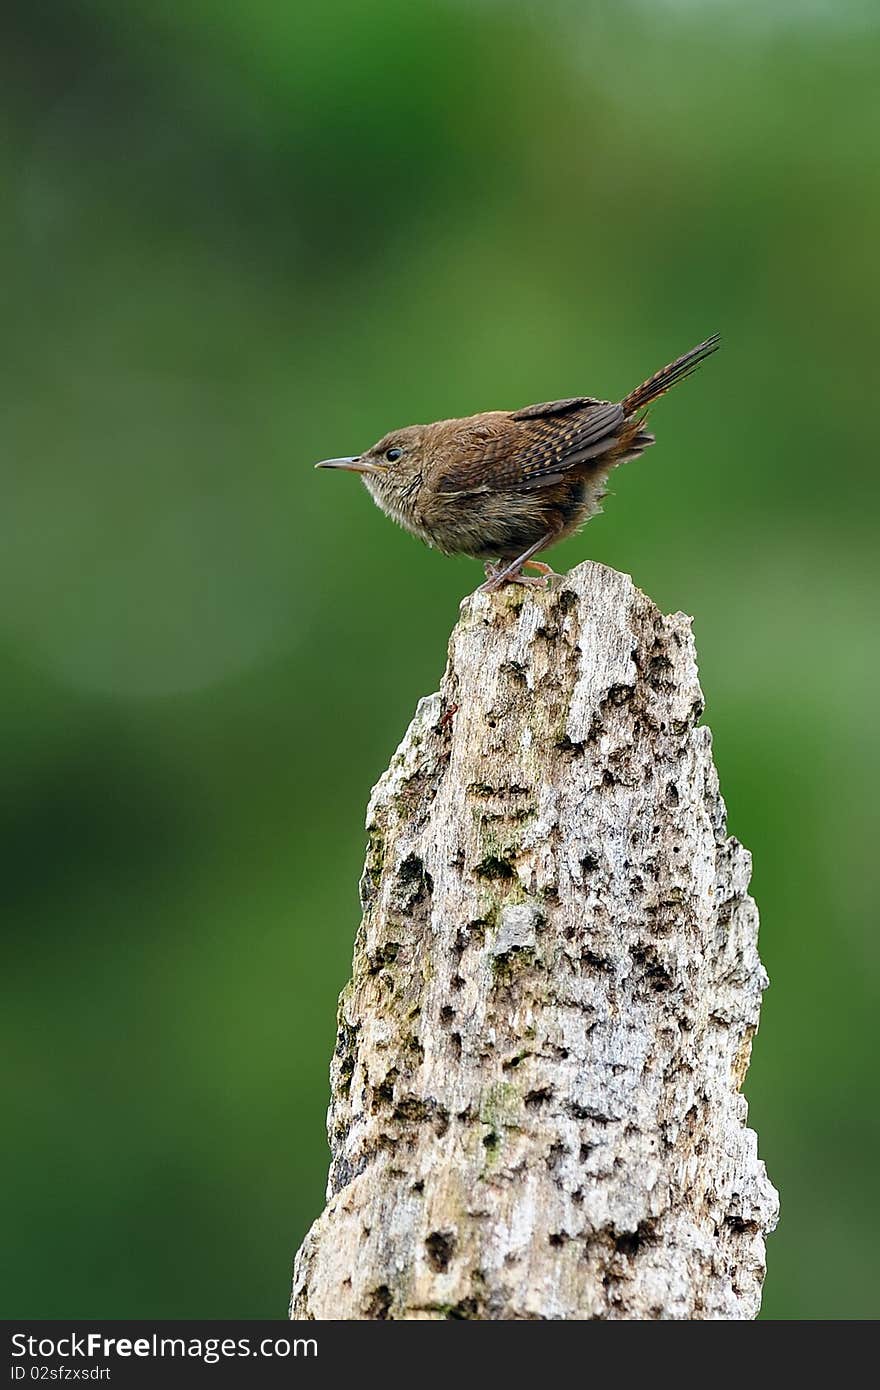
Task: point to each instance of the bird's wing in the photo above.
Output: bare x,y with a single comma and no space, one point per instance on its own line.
545,408
535,447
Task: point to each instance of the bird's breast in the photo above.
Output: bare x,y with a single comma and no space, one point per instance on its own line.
402,505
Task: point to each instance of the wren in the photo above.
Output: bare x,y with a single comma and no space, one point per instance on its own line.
506,484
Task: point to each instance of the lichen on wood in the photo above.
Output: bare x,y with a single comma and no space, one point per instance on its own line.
536,1102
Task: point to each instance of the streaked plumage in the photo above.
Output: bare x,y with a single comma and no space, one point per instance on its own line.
503,485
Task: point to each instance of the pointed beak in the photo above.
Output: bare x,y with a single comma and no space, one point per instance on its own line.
351,465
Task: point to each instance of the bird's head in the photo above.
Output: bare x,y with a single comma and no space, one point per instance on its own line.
393,469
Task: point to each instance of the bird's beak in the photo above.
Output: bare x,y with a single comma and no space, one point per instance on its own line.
351,465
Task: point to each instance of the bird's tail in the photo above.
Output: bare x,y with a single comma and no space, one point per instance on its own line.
661,381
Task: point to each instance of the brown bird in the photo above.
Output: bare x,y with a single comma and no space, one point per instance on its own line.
504,485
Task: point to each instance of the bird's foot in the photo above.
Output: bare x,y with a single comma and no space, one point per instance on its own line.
511,573
549,577
497,578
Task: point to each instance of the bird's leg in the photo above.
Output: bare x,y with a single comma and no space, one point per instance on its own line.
491,572
547,571
512,573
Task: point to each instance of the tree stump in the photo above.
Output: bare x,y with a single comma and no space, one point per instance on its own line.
536,1107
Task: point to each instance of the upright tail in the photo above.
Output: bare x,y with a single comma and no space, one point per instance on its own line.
661,381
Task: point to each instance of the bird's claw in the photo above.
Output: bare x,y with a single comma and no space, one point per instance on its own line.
549,578
496,578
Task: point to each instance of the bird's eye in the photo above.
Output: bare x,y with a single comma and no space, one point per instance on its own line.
393,455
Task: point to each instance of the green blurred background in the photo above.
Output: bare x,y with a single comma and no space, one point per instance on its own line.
241,236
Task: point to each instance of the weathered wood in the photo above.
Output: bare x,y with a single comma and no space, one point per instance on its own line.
536,1107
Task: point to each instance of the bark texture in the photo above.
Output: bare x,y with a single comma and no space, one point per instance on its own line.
536,1107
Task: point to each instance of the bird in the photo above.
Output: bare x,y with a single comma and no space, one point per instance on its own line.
502,486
